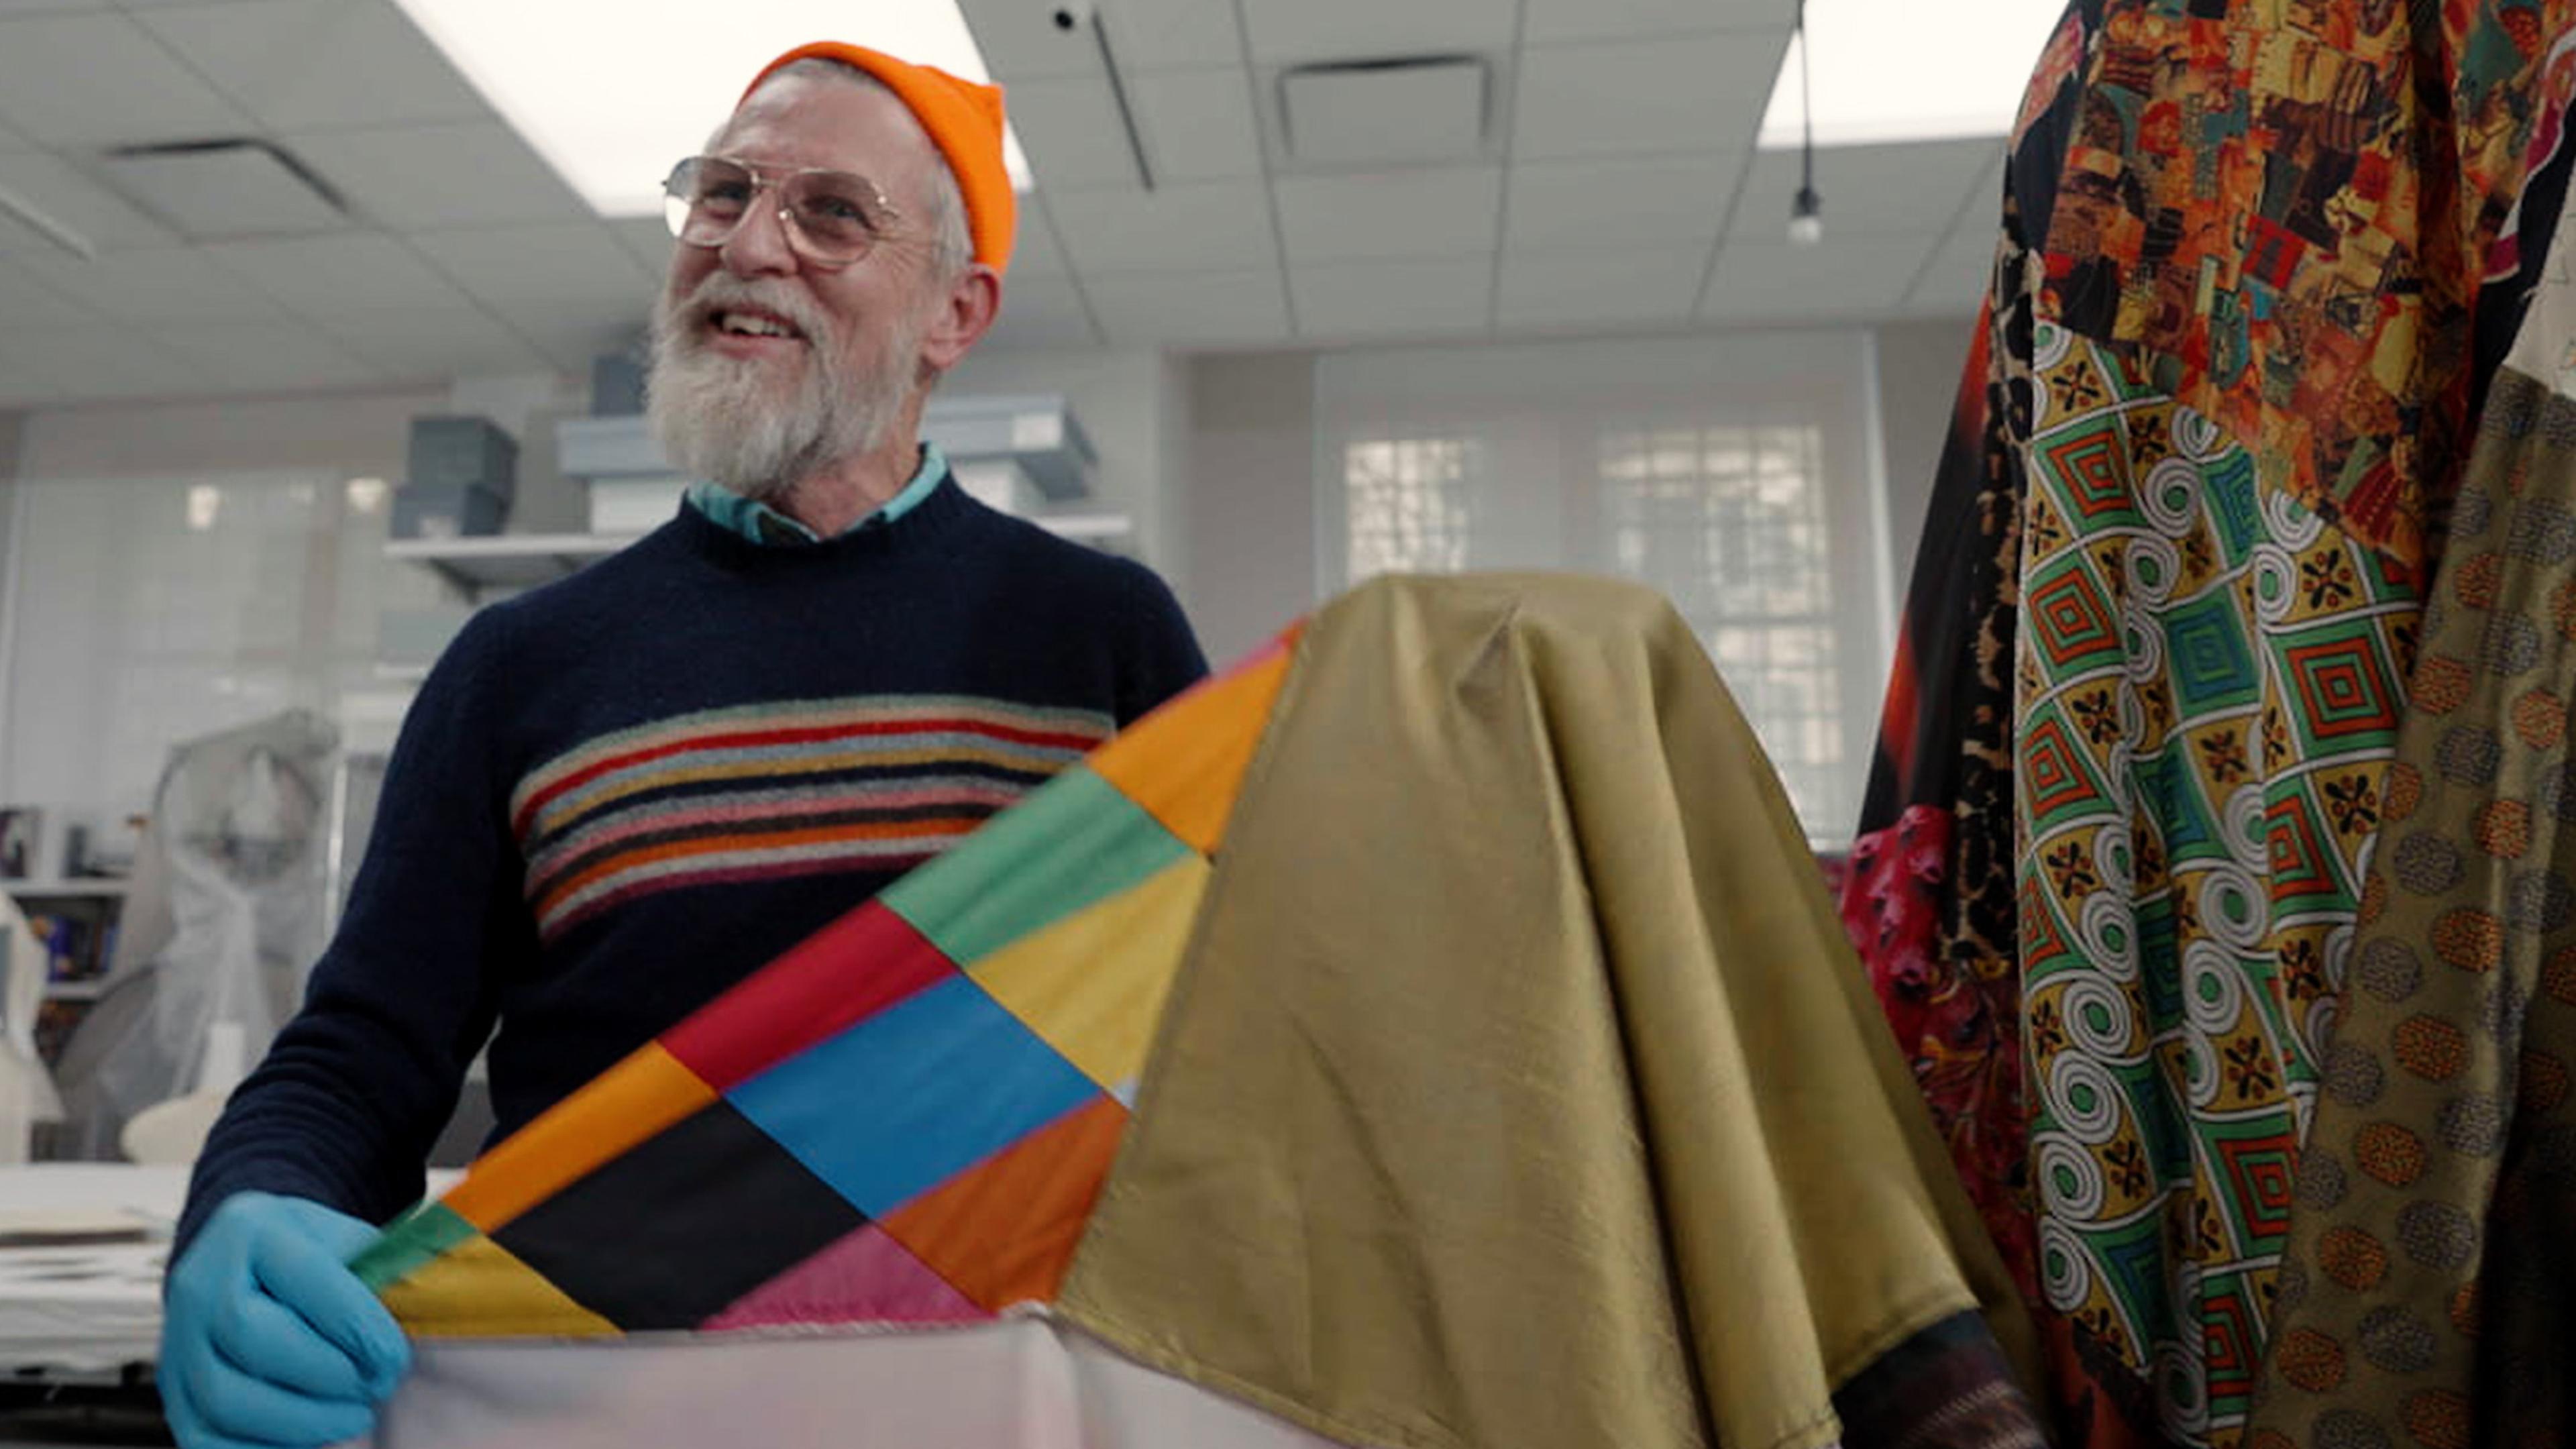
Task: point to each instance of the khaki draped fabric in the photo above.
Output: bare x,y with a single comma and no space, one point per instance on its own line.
1519,1087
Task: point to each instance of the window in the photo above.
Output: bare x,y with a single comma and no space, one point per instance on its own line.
1731,474
1408,504
1729,523
155,609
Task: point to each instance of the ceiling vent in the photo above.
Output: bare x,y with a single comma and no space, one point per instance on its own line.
225,190
1385,112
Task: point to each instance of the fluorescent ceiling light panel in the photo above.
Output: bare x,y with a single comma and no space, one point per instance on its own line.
1905,70
612,92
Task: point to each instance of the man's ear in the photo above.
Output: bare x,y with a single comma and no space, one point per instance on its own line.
966,313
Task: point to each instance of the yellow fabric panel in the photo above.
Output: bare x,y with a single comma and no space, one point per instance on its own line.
478,1289
1519,1089
1093,984
1185,763
622,1106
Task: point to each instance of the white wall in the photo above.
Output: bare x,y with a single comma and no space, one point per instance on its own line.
1130,403
1918,385
1251,498
10,429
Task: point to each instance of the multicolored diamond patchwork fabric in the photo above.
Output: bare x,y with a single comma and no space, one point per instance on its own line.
904,1120
2210,678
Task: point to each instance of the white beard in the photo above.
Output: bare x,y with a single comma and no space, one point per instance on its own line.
745,426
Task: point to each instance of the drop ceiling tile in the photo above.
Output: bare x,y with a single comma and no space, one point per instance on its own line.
1551,289
93,363
49,185
1390,214
25,385
25,301
647,239
1158,34
1181,308
1875,190
1686,93
424,178
1021,41
427,344
10,9
1955,281
1204,226
1333,30
1040,312
265,356
537,263
307,275
1627,201
1759,280
572,331
1070,128
1554,22
1034,250
313,64
1428,296
1197,124
172,285
91,80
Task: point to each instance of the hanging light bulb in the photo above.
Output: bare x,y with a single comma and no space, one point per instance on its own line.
1807,216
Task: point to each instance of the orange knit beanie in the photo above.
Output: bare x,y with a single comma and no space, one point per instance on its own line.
964,120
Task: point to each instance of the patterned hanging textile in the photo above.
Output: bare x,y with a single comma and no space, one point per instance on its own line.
1928,900
2429,1296
2254,310
1432,1034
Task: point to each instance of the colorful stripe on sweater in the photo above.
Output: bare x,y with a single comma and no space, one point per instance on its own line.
875,784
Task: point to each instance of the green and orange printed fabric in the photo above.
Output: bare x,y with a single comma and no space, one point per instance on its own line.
904,1120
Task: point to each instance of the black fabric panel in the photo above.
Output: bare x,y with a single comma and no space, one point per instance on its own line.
700,1215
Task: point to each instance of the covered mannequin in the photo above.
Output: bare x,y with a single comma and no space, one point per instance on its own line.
1433,1032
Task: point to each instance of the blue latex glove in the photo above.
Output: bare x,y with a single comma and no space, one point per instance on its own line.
267,1338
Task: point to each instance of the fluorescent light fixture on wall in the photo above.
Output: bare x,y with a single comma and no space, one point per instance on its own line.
1904,70
612,92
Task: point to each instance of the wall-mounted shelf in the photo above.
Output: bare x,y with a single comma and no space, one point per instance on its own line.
1038,433
506,560
524,560
58,886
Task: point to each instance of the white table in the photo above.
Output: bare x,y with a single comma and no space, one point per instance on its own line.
70,1312
75,1313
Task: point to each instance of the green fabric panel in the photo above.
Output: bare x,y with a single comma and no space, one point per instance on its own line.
408,1242
1072,844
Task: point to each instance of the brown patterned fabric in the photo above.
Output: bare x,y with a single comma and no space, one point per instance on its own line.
2427,1296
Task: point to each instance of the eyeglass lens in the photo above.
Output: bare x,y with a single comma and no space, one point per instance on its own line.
837,216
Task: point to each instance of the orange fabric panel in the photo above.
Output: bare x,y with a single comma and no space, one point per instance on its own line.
1184,763
1005,1232
620,1108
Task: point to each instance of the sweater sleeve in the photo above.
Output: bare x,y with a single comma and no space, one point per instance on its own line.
354,1091
1159,655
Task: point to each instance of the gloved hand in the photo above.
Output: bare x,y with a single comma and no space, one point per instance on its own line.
267,1338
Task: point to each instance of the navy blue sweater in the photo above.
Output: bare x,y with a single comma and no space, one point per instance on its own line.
618,795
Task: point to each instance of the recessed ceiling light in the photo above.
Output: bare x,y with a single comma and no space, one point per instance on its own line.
1902,70
611,92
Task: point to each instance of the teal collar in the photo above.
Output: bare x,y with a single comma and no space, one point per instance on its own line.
762,524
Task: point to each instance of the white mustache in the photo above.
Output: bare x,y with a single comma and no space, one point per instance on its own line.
721,291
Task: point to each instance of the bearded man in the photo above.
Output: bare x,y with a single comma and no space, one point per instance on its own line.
621,794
